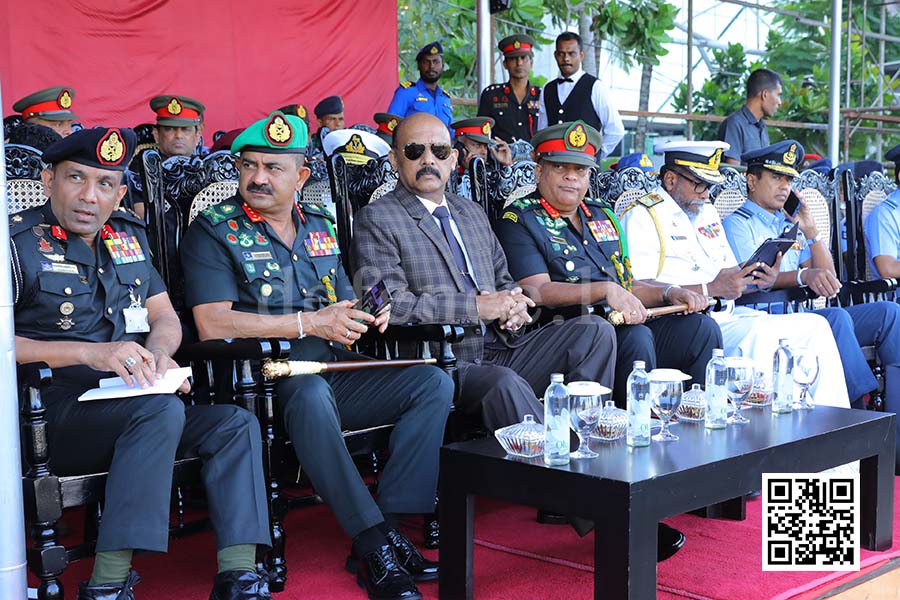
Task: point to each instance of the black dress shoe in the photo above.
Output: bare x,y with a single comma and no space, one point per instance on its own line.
240,585
408,557
668,541
383,578
109,591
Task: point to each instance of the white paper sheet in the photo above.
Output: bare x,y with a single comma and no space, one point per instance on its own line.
114,387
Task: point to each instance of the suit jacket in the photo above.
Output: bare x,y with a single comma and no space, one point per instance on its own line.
396,239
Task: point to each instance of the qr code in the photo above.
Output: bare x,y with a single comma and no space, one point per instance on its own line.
810,522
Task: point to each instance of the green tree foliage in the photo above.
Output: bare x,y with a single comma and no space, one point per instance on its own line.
453,23
799,50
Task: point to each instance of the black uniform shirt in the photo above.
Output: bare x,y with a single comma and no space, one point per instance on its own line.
513,120
537,240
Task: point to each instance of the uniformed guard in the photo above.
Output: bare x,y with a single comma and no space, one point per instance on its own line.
258,264
882,228
330,117
424,95
386,123
675,237
514,105
89,303
474,137
770,172
51,107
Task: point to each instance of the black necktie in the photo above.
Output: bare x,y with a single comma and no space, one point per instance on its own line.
443,215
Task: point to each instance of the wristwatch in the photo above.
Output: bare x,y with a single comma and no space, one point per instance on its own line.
811,241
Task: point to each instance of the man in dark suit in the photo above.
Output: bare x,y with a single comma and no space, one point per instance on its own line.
442,264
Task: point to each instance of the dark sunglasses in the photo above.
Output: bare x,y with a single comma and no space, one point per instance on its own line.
414,151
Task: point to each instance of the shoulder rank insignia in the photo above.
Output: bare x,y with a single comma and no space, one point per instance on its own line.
651,199
511,216
406,84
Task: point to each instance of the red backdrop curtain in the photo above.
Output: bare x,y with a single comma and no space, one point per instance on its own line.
242,58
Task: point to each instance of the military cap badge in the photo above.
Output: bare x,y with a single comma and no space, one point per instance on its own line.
355,145
301,111
517,44
486,128
576,137
433,50
278,130
110,148
790,157
64,100
715,159
174,107
392,124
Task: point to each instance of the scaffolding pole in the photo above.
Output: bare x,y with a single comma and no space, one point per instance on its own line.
834,115
484,44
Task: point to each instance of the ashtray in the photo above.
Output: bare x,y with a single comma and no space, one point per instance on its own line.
525,439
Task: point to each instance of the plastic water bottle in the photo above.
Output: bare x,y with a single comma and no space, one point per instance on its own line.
556,422
716,391
783,384
638,389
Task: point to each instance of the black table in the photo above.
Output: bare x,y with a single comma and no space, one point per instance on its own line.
626,491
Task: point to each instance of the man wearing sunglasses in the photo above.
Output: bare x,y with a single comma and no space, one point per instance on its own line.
259,265
675,237
442,264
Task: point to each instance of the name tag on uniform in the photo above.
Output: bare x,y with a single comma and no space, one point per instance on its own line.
124,248
54,267
320,243
603,231
264,255
421,99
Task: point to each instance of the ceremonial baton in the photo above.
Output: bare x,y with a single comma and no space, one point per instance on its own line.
617,318
276,369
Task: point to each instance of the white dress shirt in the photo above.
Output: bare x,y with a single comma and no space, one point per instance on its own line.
613,129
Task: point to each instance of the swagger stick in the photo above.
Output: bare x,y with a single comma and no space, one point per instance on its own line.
617,318
276,369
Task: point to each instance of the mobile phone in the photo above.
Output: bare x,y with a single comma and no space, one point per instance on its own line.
375,300
792,204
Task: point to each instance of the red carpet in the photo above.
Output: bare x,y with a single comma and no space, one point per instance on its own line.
515,557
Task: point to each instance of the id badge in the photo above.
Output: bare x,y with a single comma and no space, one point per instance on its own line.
136,316
136,320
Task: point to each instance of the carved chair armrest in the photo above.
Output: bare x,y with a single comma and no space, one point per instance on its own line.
34,375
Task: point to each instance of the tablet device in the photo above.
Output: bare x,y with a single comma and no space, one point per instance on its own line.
769,249
375,300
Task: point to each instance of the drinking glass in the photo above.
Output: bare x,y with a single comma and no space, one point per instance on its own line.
806,371
665,397
584,411
739,382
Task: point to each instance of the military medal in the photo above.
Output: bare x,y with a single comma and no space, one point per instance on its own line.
65,323
266,290
245,240
123,248
136,315
44,246
66,308
320,243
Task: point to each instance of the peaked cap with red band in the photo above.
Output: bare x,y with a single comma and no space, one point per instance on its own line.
477,128
177,111
100,147
516,45
51,104
576,143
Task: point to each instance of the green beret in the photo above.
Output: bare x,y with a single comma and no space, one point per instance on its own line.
276,134
576,142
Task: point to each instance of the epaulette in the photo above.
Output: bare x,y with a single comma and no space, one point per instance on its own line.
651,199
743,213
524,204
407,84
25,220
315,208
126,214
598,202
